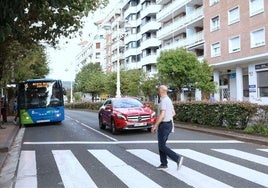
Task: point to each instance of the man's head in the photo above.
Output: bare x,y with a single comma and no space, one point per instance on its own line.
162,90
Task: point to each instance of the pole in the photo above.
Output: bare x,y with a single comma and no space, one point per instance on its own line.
71,97
118,92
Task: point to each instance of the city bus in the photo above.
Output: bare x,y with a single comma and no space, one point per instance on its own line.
40,101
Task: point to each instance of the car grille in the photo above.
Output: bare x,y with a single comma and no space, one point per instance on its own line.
138,118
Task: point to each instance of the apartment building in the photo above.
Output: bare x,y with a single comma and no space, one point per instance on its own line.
92,51
131,39
230,35
141,41
182,26
236,34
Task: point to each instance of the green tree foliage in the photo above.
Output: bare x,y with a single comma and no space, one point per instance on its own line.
28,22
44,19
179,68
90,79
149,87
23,62
130,82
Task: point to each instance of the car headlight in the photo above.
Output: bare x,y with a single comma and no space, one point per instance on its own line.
153,115
121,116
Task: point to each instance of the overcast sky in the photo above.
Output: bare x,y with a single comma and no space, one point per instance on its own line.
62,61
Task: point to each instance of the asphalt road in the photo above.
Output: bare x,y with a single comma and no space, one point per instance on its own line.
77,153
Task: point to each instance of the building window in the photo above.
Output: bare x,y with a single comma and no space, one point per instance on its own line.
234,44
245,86
257,38
263,83
98,55
213,2
233,15
215,23
215,49
256,7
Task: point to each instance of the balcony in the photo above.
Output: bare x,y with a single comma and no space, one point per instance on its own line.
150,42
150,26
179,24
131,51
188,42
166,12
149,59
150,9
132,10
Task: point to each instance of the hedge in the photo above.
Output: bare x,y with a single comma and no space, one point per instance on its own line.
232,115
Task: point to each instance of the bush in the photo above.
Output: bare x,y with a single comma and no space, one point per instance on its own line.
257,129
250,117
227,114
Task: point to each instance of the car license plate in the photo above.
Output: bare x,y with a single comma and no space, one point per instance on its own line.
139,124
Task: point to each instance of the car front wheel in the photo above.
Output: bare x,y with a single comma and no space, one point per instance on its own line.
113,127
101,124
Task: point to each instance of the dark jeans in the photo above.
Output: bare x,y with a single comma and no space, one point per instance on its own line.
164,130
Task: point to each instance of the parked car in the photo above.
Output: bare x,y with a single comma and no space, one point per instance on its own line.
126,113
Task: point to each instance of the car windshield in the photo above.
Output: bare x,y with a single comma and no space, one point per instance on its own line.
127,103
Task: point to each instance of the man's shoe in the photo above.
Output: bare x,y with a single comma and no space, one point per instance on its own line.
179,163
162,167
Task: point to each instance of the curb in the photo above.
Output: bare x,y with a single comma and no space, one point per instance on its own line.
225,133
6,146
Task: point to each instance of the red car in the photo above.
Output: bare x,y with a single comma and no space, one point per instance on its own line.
126,113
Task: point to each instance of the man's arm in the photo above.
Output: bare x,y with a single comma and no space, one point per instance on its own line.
159,120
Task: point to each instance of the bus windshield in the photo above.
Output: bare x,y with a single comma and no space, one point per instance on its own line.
40,94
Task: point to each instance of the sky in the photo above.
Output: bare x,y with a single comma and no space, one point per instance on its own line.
61,61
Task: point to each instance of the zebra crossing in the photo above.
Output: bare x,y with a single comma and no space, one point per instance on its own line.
73,174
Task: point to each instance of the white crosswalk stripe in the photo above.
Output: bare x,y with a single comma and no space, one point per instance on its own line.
244,155
232,168
185,174
27,176
73,174
265,150
71,171
122,170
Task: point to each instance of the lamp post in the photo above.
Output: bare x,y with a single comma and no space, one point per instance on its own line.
107,26
71,93
118,83
118,90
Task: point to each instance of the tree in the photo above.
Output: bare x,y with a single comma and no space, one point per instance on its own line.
23,62
47,20
149,87
130,82
179,68
90,79
29,22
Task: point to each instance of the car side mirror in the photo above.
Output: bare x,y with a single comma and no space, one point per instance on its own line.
147,105
108,107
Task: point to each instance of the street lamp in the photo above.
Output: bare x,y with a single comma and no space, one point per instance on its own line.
118,38
71,93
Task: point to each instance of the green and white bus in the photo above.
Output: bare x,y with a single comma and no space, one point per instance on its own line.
40,101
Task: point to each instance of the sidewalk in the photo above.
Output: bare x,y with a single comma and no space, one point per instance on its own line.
8,135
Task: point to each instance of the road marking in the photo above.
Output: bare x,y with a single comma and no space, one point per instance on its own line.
129,175
138,142
265,150
72,172
232,168
244,155
27,175
87,126
185,174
